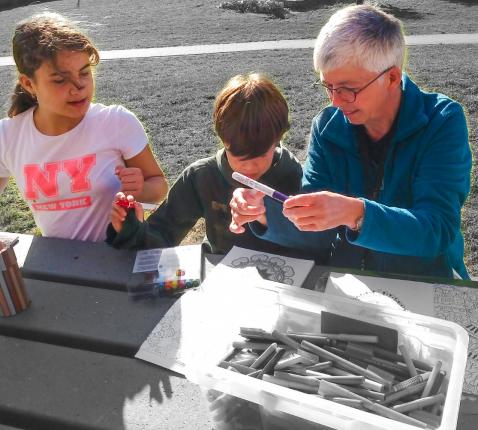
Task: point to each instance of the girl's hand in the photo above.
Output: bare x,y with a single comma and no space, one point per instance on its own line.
120,209
246,206
132,180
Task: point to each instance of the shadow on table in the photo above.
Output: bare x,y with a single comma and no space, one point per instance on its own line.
108,389
156,397
81,390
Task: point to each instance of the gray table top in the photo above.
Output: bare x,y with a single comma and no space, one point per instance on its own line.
67,362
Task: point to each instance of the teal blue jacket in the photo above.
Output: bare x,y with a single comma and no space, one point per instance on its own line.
413,226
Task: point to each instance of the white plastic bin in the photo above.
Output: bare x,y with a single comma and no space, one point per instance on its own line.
268,305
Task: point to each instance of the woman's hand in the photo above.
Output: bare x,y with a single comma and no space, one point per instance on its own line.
323,210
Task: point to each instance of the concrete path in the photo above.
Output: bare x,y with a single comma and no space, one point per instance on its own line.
423,39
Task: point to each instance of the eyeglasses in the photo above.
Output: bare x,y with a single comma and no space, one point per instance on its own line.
346,94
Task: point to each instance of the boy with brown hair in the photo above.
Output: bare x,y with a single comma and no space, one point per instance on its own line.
250,117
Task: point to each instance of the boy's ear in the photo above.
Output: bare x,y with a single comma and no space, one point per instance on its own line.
26,83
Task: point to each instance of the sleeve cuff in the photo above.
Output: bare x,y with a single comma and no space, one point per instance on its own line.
126,237
352,234
257,228
359,237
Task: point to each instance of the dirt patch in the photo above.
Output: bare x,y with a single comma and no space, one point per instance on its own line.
270,8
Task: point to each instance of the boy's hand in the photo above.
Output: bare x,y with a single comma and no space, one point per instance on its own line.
132,180
119,210
246,206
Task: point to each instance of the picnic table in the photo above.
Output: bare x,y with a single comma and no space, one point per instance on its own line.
68,361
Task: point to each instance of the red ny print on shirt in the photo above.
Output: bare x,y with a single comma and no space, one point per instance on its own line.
45,181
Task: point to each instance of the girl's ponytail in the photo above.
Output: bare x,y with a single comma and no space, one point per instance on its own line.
21,101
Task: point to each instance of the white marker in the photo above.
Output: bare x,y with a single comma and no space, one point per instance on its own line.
259,187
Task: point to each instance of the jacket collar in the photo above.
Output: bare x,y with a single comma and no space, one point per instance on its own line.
412,117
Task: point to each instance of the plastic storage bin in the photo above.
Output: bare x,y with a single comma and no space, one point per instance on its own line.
269,305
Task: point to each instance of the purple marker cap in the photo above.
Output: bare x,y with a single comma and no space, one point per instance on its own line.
279,196
239,177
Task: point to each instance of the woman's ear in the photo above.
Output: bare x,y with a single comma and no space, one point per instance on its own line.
395,77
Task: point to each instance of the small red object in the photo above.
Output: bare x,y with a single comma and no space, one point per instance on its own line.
125,204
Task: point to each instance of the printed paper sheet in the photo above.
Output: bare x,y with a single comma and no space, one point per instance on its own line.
451,303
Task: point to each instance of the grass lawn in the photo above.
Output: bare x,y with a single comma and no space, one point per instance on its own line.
173,96
122,24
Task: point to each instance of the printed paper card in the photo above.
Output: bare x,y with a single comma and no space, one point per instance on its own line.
277,268
147,260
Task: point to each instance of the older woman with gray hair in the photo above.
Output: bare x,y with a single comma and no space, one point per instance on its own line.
388,165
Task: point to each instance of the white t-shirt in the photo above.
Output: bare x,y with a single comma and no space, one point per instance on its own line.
69,180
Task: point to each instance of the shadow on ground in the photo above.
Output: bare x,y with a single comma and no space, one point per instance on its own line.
465,2
308,5
12,4
401,13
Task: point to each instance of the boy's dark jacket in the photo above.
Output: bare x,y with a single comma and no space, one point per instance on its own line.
204,190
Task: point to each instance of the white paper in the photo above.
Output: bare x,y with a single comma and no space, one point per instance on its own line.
277,268
184,330
451,303
167,344
398,294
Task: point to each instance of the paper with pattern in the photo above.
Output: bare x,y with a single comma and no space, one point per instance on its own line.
276,268
179,335
164,345
451,303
